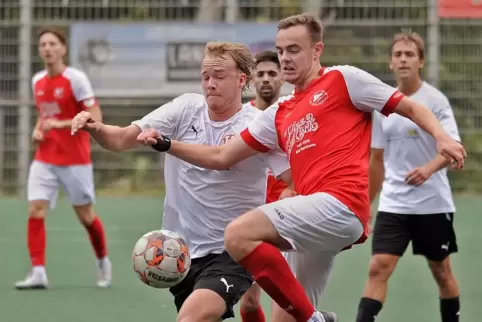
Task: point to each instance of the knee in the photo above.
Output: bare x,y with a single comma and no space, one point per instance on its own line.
85,214
233,238
381,267
250,301
442,272
37,209
250,305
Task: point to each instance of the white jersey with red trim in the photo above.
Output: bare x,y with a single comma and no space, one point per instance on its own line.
325,131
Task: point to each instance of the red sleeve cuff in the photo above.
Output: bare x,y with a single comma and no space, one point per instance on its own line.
252,142
392,103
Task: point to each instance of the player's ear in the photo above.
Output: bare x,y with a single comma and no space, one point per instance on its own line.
63,50
318,49
242,80
422,63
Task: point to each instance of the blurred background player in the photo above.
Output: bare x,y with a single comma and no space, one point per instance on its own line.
200,203
416,200
267,80
60,92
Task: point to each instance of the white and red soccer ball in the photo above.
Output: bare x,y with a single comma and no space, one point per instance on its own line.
161,259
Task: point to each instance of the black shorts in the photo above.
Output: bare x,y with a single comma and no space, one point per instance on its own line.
432,235
218,273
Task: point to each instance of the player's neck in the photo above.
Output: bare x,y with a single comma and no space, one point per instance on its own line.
55,69
409,86
226,114
261,104
312,75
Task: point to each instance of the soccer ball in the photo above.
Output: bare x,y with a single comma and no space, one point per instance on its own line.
161,259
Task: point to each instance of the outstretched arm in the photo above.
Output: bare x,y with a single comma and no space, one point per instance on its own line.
115,138
421,116
212,157
368,93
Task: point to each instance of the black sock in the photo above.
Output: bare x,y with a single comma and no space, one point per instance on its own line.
450,309
368,310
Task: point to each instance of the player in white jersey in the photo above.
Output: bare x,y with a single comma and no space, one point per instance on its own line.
416,202
200,203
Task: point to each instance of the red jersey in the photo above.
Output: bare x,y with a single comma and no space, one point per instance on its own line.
325,130
274,187
62,97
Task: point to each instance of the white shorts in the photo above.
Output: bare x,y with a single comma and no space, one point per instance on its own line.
312,270
318,227
45,179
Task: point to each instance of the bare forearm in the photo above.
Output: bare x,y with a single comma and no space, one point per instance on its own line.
438,163
421,116
37,124
63,124
376,176
67,123
113,138
209,157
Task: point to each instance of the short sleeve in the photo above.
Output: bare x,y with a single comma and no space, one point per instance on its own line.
168,118
277,161
368,93
379,140
444,113
81,87
261,134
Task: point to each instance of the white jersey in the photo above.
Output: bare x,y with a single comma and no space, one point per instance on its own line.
406,147
199,202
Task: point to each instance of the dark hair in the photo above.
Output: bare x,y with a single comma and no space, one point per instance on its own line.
54,31
267,56
409,35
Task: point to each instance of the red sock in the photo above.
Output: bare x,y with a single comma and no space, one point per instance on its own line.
36,240
253,316
272,273
97,238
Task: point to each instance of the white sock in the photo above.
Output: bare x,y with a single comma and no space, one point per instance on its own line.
39,270
103,261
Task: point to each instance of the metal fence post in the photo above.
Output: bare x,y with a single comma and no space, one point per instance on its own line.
433,39
24,71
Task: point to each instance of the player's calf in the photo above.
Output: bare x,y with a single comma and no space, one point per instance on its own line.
95,229
380,269
250,240
36,236
448,289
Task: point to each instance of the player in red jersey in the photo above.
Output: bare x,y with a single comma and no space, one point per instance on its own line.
267,81
61,159
325,130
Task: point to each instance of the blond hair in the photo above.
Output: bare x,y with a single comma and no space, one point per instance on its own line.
313,25
240,53
408,35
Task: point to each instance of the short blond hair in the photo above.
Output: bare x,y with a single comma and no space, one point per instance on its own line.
240,53
411,36
312,24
